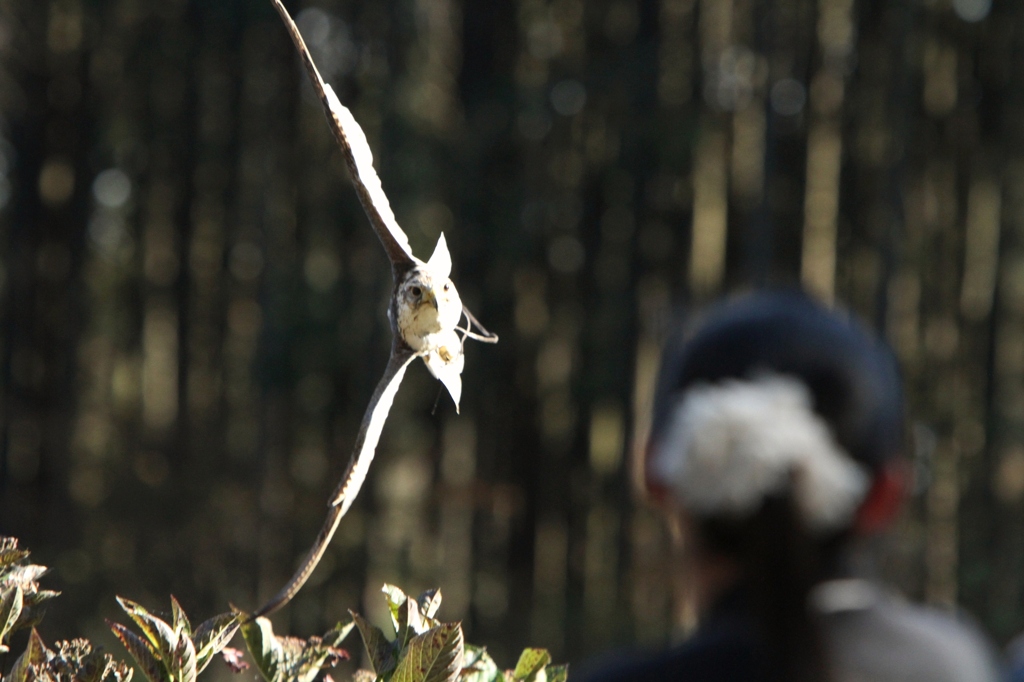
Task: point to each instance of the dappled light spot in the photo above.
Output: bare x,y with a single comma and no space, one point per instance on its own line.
607,438
972,10
112,188
707,247
160,368
322,269
568,97
531,312
554,363
433,218
56,181
1008,481
405,481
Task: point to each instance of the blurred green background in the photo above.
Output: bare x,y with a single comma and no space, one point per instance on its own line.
193,302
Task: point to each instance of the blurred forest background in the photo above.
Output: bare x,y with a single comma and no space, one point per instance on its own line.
193,304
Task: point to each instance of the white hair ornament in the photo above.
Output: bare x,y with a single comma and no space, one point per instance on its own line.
730,444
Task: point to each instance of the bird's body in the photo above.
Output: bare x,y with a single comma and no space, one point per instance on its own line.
425,312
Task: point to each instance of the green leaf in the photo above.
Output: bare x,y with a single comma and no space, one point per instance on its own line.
379,649
142,651
478,666
414,623
396,600
430,602
531,662
30,659
30,617
161,635
264,647
434,656
38,597
212,636
183,661
305,660
180,621
24,576
11,603
338,633
11,555
315,656
557,673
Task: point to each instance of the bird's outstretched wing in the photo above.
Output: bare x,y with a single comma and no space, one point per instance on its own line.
358,157
355,474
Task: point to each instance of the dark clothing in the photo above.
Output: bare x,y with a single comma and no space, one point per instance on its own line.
724,648
870,637
1015,655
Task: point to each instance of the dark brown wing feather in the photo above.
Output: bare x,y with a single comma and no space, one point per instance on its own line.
353,145
355,474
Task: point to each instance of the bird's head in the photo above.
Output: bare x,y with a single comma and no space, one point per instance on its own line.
423,292
427,299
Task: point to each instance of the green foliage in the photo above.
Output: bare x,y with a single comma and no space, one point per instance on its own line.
427,650
423,649
172,652
290,659
21,599
21,606
74,661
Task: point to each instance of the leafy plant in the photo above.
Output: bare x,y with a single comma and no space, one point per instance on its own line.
22,606
425,649
74,661
21,599
173,652
290,659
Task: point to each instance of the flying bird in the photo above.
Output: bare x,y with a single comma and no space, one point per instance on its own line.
424,313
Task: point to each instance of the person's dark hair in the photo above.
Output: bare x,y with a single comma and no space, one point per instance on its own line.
854,384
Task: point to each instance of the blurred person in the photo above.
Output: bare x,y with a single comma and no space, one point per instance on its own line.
775,443
1015,656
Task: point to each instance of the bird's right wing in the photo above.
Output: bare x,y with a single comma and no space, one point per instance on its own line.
358,157
364,449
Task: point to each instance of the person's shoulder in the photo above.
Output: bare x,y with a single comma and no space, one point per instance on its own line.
721,654
1015,658
896,639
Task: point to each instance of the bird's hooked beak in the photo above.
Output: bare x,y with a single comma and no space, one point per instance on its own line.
430,297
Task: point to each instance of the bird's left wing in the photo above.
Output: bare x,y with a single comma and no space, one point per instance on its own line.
358,157
363,450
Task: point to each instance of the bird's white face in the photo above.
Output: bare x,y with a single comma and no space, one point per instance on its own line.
427,305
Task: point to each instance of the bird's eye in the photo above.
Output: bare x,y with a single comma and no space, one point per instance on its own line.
447,286
416,291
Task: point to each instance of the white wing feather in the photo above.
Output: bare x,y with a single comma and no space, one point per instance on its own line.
367,175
